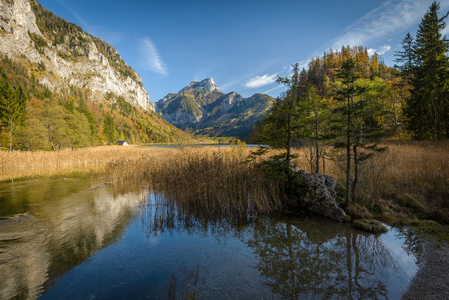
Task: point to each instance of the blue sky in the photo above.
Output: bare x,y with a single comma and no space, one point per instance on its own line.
242,44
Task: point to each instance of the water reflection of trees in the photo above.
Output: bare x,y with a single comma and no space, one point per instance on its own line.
299,258
161,215
301,262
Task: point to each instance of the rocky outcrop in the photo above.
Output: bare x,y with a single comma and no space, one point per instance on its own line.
319,195
60,66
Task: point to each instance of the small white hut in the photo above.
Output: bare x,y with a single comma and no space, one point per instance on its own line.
122,143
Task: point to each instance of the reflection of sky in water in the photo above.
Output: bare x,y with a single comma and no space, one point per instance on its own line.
139,267
406,262
141,264
395,244
124,252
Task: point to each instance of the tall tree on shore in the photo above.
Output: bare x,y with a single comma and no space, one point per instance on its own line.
348,76
406,57
282,121
426,65
359,124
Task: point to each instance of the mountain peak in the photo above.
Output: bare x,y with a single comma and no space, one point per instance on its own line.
208,84
202,107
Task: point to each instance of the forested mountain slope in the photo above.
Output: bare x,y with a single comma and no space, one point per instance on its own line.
61,87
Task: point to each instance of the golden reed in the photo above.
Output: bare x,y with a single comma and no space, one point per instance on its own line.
411,175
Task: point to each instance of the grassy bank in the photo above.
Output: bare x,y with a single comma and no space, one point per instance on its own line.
408,183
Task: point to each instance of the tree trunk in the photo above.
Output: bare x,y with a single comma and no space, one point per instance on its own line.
289,136
317,145
10,139
11,124
348,156
356,173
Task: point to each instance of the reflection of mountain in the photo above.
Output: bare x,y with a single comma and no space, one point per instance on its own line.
300,258
65,224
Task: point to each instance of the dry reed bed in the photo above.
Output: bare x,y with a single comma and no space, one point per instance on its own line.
417,178
215,180
412,175
14,165
409,178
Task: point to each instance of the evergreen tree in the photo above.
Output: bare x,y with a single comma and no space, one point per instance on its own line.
361,126
346,94
13,103
282,123
109,128
427,66
407,56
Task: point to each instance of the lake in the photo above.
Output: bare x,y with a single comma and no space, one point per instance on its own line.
72,238
201,146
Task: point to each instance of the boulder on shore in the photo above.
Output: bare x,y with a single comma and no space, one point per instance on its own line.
319,195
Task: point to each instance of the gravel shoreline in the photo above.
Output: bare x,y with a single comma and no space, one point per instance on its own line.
432,279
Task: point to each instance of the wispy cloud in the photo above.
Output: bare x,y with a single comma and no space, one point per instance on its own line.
151,57
382,50
275,89
259,81
391,17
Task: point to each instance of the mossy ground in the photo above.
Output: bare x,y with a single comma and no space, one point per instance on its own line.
369,225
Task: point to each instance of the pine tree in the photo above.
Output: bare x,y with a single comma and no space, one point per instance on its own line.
346,94
361,127
406,57
282,121
109,128
13,103
428,108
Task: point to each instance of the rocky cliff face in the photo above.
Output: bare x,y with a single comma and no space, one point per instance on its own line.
74,59
204,108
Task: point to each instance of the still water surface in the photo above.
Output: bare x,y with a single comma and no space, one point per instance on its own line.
71,239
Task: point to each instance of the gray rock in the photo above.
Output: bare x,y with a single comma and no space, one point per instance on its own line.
320,196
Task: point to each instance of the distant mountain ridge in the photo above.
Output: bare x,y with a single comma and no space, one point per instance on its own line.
202,107
62,54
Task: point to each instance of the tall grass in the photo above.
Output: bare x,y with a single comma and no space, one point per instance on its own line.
417,180
410,179
215,180
17,164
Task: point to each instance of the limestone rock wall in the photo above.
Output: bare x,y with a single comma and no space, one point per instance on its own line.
91,71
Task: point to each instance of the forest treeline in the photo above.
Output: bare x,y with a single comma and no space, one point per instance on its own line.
346,102
408,100
35,118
